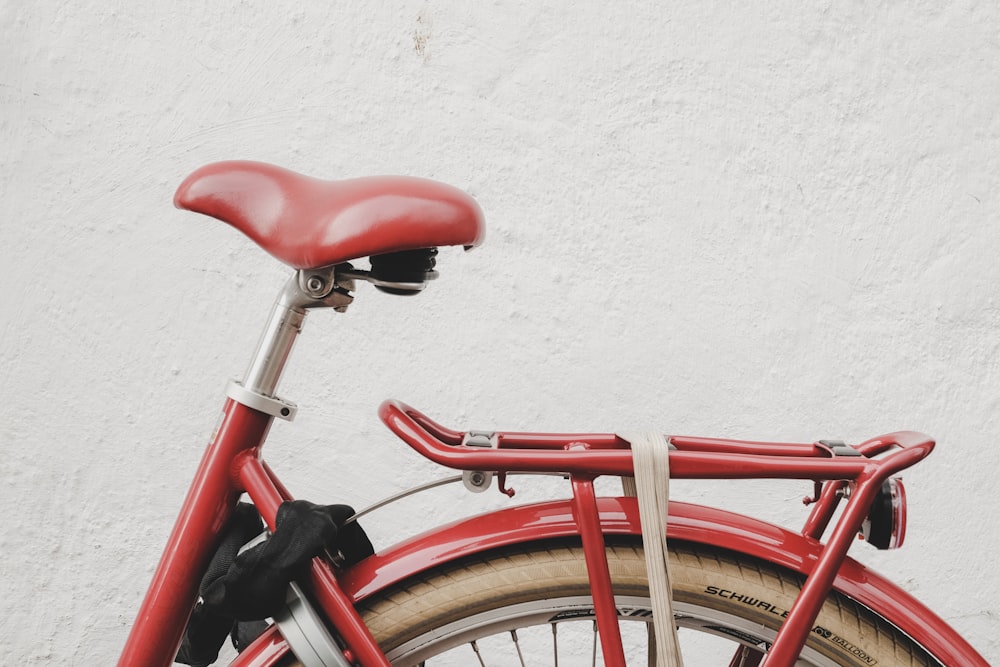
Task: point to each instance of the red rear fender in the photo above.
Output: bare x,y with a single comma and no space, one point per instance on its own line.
691,523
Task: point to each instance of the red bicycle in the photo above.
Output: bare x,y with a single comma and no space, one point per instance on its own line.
558,578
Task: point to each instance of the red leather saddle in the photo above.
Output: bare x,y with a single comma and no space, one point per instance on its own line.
308,223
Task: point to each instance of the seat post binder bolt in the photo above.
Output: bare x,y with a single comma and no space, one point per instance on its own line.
315,284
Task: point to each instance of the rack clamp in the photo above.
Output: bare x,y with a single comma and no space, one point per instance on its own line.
839,448
270,405
478,481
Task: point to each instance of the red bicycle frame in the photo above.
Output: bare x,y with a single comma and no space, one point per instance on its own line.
309,211
232,465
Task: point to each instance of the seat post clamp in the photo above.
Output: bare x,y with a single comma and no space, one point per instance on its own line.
273,406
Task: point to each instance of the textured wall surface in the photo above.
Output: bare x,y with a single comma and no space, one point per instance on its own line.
772,224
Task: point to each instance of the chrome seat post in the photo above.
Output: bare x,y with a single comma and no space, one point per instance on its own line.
304,290
328,287
275,345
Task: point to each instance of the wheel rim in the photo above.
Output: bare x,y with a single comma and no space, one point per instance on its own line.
518,634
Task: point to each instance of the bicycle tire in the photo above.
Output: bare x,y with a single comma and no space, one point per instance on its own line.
719,593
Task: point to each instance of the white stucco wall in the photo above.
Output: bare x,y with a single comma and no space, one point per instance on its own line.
773,224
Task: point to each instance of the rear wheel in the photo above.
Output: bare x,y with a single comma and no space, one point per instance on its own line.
530,605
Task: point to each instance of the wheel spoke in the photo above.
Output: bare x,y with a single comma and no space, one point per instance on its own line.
593,649
746,657
650,645
555,646
517,645
475,648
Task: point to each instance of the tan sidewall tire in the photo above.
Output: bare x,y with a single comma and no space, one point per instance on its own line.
723,581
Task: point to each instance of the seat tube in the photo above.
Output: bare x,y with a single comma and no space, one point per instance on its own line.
159,626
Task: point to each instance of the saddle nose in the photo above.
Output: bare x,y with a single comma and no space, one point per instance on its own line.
309,223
